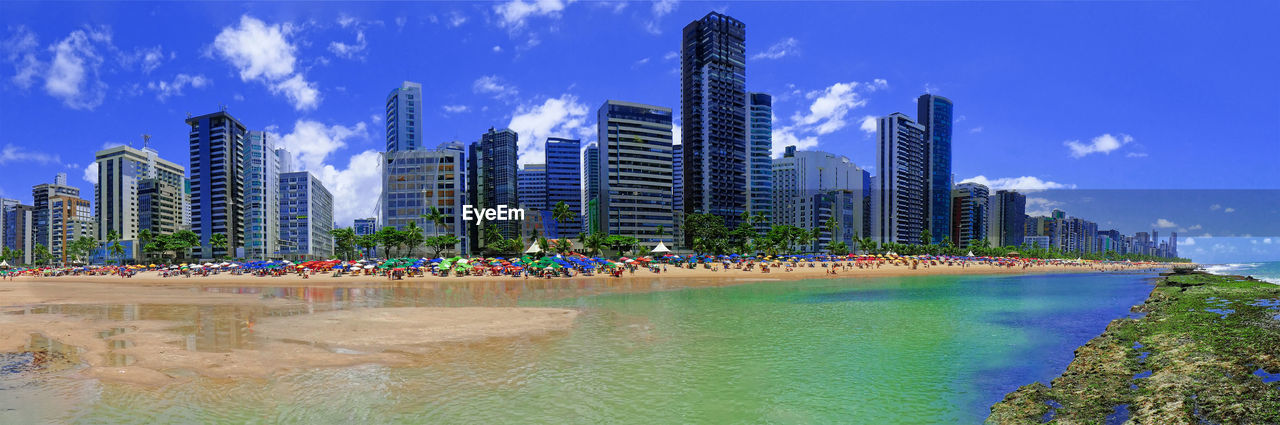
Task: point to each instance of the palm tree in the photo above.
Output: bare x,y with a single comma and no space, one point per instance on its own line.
144,238
435,217
113,240
832,227
40,254
412,236
561,213
218,241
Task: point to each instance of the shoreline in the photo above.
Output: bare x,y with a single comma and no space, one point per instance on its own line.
137,331
1206,350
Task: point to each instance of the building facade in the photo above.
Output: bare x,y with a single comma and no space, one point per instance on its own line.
713,110
264,163
43,212
635,171
900,196
811,186
934,114
404,118
217,143
590,176
17,228
563,184
969,203
760,157
413,182
492,168
532,181
1008,218
306,217
124,174
70,218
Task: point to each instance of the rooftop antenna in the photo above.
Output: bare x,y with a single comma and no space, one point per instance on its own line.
146,141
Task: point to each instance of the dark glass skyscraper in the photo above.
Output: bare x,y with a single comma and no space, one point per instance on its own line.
563,184
760,157
934,113
217,182
492,175
713,109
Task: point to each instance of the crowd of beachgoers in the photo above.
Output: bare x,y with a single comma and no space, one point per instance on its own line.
570,265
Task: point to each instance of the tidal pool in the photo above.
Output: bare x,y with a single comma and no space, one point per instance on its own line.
889,350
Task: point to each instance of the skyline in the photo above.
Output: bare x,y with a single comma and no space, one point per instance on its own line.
330,139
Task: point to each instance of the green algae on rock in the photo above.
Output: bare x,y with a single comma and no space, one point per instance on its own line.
1200,354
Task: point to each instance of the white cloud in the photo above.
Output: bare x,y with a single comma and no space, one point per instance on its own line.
301,93
1195,227
349,51
563,116
659,9
11,153
1164,224
494,86
783,48
497,49
928,88
670,55
1040,206
825,115
1136,155
1024,184
639,63
456,19
165,89
352,187
1266,241
869,124
311,142
20,49
1102,144
975,130
1215,207
91,173
375,118
147,59
454,109
262,53
1229,210
512,14
72,74
1187,242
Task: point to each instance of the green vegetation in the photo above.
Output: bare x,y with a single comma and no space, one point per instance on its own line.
1201,342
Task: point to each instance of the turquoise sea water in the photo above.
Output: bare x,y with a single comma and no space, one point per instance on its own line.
1268,271
892,350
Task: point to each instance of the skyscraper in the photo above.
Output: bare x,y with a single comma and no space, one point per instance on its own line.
365,227
969,203
934,113
563,184
713,110
677,194
413,182
491,173
811,186
532,181
635,171
263,165
900,205
42,213
125,176
1008,212
17,226
306,217
404,118
760,157
70,218
590,176
217,182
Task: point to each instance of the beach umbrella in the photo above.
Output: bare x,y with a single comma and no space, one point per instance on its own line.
661,248
533,249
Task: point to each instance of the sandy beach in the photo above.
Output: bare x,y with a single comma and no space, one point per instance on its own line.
136,330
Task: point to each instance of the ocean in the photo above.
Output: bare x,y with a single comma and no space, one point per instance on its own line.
1268,271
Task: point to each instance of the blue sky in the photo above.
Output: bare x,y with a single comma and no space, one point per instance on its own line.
1072,95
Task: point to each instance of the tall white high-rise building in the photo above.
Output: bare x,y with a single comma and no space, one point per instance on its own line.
137,190
404,118
809,187
635,171
900,196
264,163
